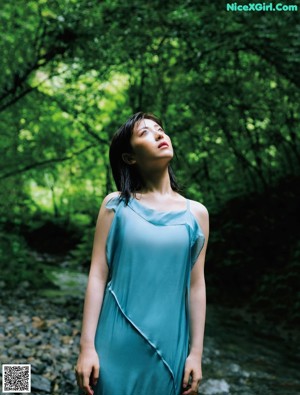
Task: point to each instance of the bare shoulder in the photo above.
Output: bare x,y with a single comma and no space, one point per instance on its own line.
103,224
103,211
110,196
199,209
201,214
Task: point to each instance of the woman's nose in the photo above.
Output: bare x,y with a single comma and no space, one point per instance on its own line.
159,134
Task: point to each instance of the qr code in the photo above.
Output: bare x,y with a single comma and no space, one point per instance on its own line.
16,378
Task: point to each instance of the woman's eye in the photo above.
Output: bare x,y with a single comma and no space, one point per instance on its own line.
146,130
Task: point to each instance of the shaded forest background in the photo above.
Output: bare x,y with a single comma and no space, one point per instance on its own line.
226,86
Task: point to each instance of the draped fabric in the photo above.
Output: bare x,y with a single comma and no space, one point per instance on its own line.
142,335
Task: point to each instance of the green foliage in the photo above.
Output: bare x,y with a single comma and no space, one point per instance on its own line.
82,253
18,267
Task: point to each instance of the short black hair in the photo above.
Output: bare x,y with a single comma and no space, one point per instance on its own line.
127,177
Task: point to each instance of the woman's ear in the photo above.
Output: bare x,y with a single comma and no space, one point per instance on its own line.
128,158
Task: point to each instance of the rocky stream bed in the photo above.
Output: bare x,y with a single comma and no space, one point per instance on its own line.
243,354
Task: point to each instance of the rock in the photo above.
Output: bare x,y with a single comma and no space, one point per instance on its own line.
38,368
40,383
46,333
214,387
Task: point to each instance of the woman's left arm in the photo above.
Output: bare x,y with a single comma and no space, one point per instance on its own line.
197,308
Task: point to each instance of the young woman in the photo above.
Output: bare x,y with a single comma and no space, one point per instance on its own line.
145,302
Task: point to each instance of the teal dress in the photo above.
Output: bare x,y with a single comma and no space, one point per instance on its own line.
142,335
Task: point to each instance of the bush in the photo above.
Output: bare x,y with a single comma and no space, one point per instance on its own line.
17,265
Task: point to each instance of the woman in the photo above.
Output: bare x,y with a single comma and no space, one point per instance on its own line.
144,309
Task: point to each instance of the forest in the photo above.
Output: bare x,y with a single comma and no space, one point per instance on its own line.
226,86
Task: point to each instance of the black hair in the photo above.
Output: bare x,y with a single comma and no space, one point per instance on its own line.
127,177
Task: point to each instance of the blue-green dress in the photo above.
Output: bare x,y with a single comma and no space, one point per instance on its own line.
142,335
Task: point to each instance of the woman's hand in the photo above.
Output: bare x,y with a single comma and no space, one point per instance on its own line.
192,368
87,370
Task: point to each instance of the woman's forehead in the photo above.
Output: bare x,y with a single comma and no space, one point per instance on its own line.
145,122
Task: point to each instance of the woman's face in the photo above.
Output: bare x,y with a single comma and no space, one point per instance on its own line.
150,143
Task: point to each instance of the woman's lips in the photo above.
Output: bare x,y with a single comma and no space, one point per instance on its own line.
163,145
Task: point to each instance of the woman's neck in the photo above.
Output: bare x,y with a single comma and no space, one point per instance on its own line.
157,183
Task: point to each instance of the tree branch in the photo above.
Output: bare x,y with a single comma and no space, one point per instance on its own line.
87,127
44,163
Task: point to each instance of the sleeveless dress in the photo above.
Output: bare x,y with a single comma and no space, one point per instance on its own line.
142,335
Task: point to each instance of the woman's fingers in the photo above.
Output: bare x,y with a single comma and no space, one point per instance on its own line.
195,382
83,381
95,375
186,377
190,389
86,383
79,378
87,371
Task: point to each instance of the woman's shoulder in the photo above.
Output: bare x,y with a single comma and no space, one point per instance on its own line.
111,201
198,207
110,196
201,213
195,206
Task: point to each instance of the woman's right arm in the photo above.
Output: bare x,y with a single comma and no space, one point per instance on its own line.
87,367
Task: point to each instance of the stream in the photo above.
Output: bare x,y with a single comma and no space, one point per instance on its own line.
243,355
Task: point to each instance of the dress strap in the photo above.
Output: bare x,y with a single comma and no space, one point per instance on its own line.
113,203
188,204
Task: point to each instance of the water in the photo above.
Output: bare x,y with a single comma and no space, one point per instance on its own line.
241,355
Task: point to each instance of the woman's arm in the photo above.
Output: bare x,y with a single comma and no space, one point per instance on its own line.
88,361
197,307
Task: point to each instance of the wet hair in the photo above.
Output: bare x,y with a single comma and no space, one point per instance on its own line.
127,177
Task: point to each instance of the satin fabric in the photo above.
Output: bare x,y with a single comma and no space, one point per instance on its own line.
142,335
